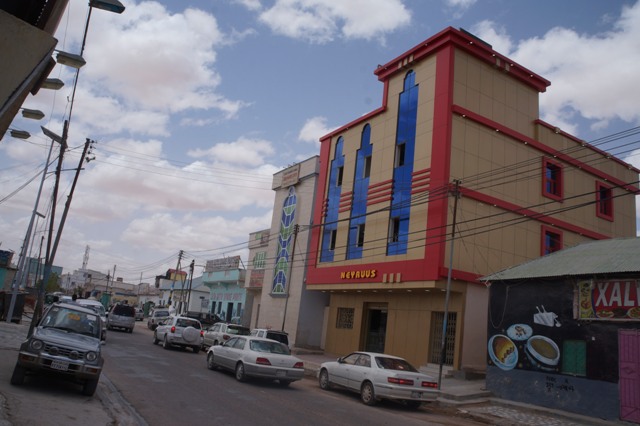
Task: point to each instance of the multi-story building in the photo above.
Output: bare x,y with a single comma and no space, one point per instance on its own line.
458,139
284,303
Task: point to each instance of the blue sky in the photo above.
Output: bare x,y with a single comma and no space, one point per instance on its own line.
195,104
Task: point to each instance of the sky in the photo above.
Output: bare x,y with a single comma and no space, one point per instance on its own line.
195,104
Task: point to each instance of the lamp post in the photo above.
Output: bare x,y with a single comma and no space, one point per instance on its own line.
75,61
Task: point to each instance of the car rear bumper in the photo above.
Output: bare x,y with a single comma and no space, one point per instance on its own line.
273,372
404,393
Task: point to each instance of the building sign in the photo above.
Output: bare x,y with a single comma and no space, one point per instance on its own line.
609,300
358,274
290,176
223,264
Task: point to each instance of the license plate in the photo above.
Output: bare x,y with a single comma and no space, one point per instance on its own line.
416,394
59,365
281,373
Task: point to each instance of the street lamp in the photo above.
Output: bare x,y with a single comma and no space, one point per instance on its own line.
53,84
33,114
19,134
77,62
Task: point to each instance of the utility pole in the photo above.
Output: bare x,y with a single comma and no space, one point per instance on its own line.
293,254
191,268
443,347
173,284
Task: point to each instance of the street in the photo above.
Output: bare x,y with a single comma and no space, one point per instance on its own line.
174,386
144,384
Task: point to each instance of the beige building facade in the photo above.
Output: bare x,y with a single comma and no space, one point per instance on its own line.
458,138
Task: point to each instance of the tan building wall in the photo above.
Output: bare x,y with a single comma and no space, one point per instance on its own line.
477,122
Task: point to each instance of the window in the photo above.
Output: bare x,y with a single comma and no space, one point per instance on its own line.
367,167
259,260
551,241
332,242
360,241
394,230
345,318
400,151
339,177
552,179
604,201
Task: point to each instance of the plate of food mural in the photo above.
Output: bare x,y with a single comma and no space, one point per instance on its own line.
503,352
634,312
519,332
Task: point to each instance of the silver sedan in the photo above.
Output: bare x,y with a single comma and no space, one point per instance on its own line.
378,376
249,356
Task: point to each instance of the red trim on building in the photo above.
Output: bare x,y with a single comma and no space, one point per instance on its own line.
456,274
531,214
544,230
604,207
465,113
451,37
558,194
586,144
440,159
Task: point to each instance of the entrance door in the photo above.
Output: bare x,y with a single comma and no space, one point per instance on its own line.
375,327
629,362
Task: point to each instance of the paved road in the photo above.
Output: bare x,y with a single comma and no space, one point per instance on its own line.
144,384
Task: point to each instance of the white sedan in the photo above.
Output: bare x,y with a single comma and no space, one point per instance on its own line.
249,356
379,376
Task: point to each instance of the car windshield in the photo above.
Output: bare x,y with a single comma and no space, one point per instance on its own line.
183,322
124,310
72,320
98,309
394,364
161,313
269,347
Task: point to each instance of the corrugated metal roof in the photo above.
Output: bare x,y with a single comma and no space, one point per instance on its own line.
620,255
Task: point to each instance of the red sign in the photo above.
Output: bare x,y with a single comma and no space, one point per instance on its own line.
616,299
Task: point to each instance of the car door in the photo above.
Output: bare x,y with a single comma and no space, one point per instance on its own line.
359,372
223,354
340,375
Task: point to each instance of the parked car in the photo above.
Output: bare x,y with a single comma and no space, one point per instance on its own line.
158,314
220,332
179,331
99,309
276,335
139,314
379,376
249,356
66,342
205,318
122,316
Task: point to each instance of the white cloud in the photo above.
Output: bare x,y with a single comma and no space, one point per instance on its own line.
147,59
242,152
313,129
591,75
321,21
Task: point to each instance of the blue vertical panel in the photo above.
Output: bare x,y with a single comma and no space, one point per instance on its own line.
333,202
283,253
401,193
360,190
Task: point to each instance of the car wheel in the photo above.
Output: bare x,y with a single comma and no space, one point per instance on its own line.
284,383
414,405
211,363
155,338
368,394
130,330
17,378
323,380
165,343
196,349
240,376
89,387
